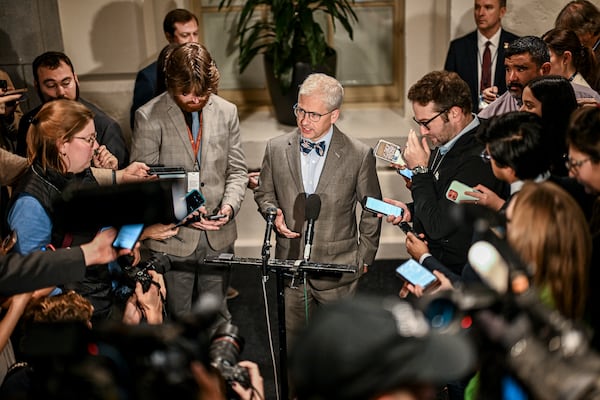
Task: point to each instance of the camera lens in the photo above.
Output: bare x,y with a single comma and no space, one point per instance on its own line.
226,345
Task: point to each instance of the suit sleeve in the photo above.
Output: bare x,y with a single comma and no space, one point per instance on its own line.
433,209
264,195
237,173
146,142
37,270
369,225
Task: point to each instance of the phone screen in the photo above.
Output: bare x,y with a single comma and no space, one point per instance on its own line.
413,272
407,173
378,206
128,236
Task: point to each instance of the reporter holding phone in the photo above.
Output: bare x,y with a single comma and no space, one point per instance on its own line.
441,102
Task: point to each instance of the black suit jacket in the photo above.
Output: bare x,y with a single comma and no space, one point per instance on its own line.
449,240
19,274
462,59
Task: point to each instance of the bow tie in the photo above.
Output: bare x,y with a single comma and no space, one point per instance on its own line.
306,147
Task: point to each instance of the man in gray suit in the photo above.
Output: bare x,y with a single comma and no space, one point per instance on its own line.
320,159
190,126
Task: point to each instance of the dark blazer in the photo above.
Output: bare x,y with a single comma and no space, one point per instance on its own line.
349,174
144,89
449,240
462,59
19,274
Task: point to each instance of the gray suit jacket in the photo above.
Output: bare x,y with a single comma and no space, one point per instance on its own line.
161,137
349,174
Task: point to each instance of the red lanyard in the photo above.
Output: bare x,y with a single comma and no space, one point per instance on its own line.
196,145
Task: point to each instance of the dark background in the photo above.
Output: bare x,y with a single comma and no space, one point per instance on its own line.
248,310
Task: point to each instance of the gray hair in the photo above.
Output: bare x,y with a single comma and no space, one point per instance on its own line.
330,88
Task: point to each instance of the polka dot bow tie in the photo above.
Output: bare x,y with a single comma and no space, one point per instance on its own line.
306,146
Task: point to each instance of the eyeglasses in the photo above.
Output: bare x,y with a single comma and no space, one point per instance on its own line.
573,165
425,124
313,116
91,139
485,156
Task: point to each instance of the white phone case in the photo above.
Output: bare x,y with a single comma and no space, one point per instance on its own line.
456,192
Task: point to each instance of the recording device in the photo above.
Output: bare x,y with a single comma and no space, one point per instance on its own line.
193,201
416,274
312,211
69,360
456,192
128,236
270,215
407,173
215,217
518,335
167,172
390,152
377,206
405,226
4,91
131,274
224,354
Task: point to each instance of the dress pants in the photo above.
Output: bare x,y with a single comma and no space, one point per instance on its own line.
190,278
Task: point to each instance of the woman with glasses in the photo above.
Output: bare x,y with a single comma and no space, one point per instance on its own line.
61,142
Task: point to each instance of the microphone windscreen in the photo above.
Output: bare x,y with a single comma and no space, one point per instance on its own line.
487,261
271,211
313,207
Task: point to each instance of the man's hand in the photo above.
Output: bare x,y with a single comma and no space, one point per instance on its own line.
282,228
416,152
100,249
253,180
206,223
394,219
256,390
159,232
490,94
416,246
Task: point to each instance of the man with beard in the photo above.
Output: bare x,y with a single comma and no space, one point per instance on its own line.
525,59
478,57
54,78
190,126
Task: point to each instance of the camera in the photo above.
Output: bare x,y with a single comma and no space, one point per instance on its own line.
131,274
224,351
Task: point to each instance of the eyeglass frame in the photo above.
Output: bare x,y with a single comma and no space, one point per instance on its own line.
311,114
573,165
90,139
485,156
430,120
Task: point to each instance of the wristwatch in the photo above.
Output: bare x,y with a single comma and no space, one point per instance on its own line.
419,169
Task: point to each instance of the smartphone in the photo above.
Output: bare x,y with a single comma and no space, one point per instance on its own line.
12,91
405,226
215,217
128,235
416,274
407,173
388,151
456,192
381,207
194,200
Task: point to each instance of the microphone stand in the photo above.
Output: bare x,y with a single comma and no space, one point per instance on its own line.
271,213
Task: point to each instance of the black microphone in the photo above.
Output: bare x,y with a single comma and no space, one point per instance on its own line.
313,208
270,215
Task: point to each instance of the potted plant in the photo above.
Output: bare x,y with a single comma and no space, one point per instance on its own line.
292,42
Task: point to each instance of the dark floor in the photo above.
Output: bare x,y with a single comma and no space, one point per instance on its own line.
248,311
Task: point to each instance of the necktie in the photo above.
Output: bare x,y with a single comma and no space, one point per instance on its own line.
306,146
195,125
486,67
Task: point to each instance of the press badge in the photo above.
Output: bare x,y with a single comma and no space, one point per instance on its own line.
193,181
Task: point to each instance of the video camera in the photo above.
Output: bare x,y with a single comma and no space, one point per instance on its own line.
524,345
116,361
